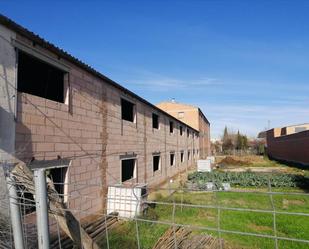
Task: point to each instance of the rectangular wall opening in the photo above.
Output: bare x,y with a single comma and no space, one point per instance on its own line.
188,132
180,130
181,156
128,169
171,127
127,110
172,159
39,78
59,178
189,154
155,121
156,163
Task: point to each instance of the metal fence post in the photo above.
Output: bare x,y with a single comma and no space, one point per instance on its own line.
14,209
41,208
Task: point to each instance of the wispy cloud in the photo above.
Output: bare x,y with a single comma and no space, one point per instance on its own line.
162,83
245,105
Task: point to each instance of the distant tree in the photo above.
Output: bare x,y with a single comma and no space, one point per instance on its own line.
227,145
225,134
239,141
244,142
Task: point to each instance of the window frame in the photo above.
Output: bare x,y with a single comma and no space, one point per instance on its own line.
41,58
65,182
134,170
159,162
171,127
174,159
158,121
122,99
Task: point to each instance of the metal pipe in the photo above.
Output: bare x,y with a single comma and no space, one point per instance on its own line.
41,208
15,213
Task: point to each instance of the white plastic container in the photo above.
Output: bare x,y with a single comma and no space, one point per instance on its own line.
204,165
126,201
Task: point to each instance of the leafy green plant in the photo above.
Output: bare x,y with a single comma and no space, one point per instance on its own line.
248,179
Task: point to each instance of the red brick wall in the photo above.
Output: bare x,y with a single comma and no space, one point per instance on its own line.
291,148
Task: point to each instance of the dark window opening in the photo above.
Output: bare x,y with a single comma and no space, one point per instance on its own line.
39,78
156,163
171,127
188,155
127,110
188,132
57,175
127,169
155,121
180,130
181,156
172,159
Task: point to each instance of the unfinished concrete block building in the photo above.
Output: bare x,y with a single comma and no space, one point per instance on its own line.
55,106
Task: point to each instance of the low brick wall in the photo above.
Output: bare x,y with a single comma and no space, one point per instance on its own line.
290,148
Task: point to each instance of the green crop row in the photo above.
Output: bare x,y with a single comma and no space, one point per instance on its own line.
248,179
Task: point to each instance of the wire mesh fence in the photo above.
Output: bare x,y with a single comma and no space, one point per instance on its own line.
180,217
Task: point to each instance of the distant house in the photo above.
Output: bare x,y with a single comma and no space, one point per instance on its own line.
194,117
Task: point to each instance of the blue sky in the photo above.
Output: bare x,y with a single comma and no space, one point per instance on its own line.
242,62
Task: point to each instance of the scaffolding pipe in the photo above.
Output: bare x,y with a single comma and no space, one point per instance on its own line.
15,212
41,208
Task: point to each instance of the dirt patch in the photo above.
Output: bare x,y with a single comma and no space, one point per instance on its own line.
229,160
286,203
259,228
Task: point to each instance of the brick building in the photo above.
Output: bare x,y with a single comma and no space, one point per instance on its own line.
289,144
194,117
53,105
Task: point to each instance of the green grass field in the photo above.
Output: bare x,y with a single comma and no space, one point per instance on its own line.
292,226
